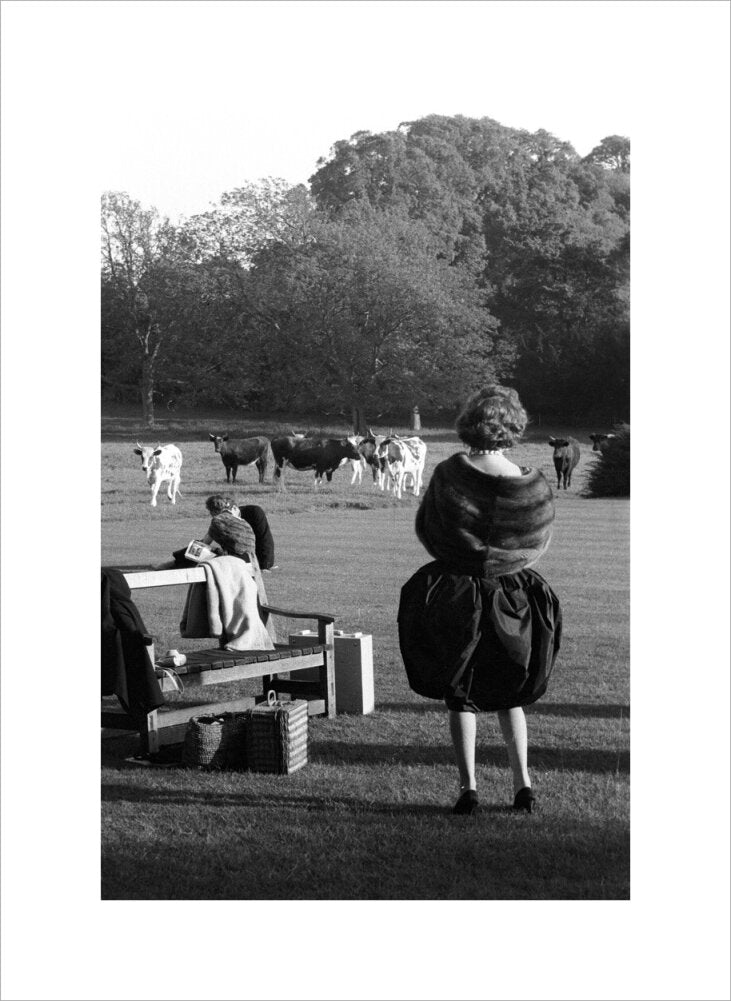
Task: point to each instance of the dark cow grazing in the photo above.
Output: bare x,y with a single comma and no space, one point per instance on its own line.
600,441
242,453
323,455
565,458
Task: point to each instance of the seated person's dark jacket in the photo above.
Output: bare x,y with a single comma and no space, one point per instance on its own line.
126,670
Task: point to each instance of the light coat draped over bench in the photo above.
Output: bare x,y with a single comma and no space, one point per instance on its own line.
226,606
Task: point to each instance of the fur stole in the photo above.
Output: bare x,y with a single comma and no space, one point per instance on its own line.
483,525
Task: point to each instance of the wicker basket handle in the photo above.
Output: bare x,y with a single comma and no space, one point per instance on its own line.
271,697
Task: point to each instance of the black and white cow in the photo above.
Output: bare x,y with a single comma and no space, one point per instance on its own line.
565,458
323,455
600,441
399,458
368,449
242,453
161,464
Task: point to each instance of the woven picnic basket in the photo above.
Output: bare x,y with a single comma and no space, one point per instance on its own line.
216,741
276,736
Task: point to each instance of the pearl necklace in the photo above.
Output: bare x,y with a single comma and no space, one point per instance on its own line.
486,451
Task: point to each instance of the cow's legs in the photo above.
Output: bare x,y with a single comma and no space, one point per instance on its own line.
279,474
155,488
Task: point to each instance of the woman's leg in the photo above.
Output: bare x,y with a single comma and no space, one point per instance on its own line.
515,735
463,729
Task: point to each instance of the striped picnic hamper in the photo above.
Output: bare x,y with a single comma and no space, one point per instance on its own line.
276,736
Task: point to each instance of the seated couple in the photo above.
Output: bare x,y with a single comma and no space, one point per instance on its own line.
235,531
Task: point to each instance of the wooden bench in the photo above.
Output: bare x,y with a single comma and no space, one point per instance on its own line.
215,666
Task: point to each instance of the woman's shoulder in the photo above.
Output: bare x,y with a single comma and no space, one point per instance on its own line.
459,468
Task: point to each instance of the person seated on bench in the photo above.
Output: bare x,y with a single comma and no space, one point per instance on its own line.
229,533
233,527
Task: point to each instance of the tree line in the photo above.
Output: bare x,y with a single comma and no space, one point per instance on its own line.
416,265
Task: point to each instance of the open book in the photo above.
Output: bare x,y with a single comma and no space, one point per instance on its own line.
199,552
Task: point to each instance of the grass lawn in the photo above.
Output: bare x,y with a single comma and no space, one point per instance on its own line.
368,817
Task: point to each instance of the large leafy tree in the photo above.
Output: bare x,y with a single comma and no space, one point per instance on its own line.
143,286
612,152
248,219
422,261
558,268
369,316
547,232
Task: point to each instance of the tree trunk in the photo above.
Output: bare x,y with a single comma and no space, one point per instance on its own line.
148,385
358,419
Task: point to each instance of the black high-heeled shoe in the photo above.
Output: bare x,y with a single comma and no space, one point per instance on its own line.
524,799
467,802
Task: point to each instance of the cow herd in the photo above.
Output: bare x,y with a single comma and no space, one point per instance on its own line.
396,462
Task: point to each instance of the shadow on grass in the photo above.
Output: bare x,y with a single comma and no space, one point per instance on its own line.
343,753
577,709
432,706
317,804
547,758
588,709
356,851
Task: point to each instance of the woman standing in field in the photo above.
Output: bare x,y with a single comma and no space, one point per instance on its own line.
477,627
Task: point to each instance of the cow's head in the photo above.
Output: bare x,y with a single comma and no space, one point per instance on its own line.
218,440
147,452
558,442
351,448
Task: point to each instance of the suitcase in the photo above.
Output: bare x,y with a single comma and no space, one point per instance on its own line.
276,736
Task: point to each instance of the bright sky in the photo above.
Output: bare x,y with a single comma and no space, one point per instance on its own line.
235,92
186,101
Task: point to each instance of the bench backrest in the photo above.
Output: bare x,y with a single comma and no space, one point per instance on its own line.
161,578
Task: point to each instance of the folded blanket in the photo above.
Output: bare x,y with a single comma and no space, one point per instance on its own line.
226,606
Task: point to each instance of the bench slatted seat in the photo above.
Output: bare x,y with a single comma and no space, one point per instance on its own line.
216,666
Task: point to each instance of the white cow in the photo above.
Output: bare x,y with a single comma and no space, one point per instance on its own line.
418,450
400,458
161,464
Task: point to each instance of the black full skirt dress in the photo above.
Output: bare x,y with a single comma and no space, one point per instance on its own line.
489,642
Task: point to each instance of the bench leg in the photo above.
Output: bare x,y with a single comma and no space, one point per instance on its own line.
149,738
326,635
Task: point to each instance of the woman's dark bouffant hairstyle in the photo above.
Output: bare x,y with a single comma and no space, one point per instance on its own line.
217,503
492,418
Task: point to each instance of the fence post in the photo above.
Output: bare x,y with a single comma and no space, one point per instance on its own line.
415,420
